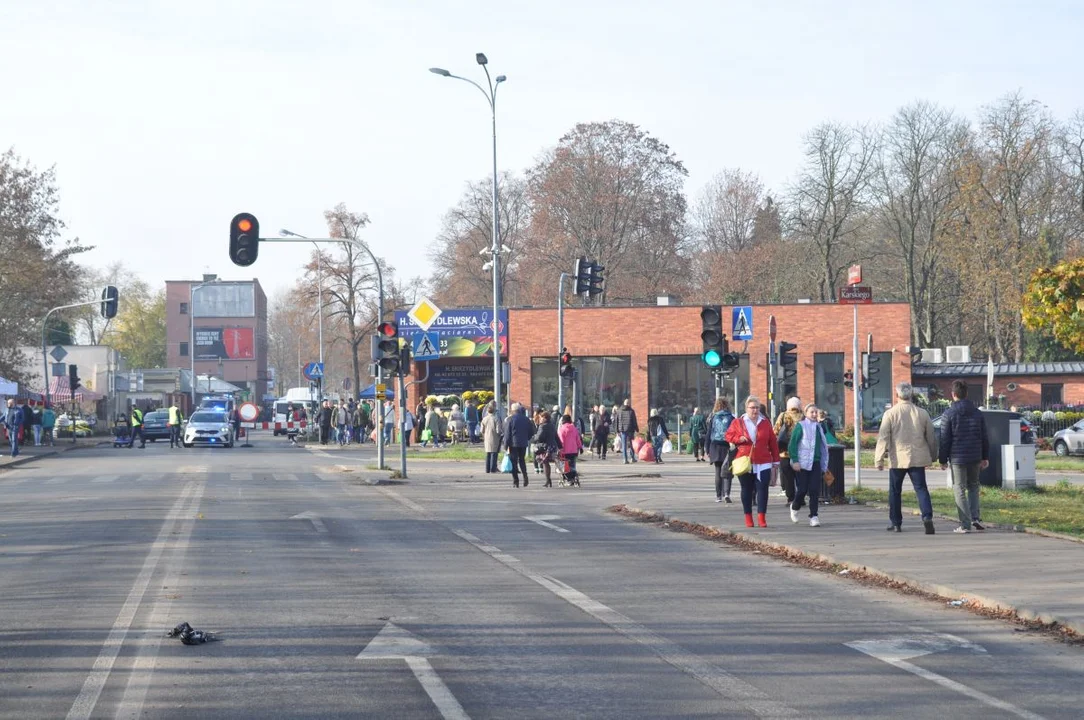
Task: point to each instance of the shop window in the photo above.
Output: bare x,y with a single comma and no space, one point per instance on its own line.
877,399
678,383
1051,394
829,392
601,379
184,349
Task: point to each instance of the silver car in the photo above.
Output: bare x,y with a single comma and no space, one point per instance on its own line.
1069,441
208,427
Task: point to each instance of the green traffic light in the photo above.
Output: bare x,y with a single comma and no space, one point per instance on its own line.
712,358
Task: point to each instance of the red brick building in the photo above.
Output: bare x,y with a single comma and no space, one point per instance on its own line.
651,354
1035,385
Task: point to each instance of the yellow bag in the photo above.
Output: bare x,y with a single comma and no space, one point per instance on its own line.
741,465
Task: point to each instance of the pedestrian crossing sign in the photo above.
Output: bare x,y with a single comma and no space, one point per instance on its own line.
426,346
742,327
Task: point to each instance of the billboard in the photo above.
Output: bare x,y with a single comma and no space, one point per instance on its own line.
463,332
224,300
225,344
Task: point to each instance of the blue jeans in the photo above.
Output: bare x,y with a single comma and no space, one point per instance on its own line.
895,492
752,483
807,482
626,446
13,437
472,432
657,446
389,432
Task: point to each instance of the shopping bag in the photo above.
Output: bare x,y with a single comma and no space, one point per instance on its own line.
506,463
667,446
829,478
617,444
427,435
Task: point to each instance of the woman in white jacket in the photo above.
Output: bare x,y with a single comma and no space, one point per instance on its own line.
808,451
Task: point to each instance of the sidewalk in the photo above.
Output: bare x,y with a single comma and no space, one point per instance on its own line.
1038,577
30,453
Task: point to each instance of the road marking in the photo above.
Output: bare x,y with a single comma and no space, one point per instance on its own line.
285,477
56,481
395,643
103,665
312,517
722,682
897,650
541,520
146,658
192,469
104,479
240,477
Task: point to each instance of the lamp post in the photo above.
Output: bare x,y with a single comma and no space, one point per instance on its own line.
192,335
320,285
496,249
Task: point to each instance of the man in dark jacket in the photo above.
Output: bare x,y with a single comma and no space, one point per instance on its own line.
627,427
13,421
965,446
324,420
518,430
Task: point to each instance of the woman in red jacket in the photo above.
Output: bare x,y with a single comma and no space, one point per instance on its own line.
754,438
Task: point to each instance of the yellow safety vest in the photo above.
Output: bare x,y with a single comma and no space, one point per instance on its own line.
174,416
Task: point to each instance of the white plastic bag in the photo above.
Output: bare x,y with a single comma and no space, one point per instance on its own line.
667,446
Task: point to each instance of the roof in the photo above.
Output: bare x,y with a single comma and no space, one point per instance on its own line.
975,369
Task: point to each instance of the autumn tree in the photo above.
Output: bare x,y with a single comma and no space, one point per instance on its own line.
37,267
139,331
458,276
1054,302
610,192
89,324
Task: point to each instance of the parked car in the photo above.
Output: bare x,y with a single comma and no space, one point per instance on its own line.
208,427
1069,441
154,425
1027,433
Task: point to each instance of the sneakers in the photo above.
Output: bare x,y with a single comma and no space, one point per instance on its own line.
894,528
814,521
928,524
726,499
961,530
793,515
718,499
977,526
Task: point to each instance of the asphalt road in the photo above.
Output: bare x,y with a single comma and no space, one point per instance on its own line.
450,596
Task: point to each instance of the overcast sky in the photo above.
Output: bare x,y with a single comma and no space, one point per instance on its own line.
164,119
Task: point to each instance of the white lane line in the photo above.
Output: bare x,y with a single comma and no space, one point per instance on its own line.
104,479
103,665
722,682
56,481
541,520
964,690
312,517
240,477
434,687
146,659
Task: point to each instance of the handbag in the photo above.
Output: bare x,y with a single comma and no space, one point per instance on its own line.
427,435
506,463
742,465
829,478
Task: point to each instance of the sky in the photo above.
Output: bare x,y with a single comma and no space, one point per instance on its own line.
165,119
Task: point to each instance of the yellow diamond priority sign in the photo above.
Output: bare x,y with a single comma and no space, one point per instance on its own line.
424,313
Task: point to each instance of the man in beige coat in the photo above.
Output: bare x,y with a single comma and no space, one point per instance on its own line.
908,441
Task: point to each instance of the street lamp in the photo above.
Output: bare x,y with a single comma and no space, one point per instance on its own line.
496,249
320,288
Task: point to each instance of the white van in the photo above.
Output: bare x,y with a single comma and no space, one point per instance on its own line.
300,397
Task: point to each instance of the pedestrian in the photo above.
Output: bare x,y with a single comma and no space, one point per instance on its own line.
592,420
491,437
457,423
389,422
783,426
28,424
35,425
627,427
357,422
697,426
174,422
324,419
964,444
753,436
470,412
656,430
907,440
600,431
808,454
13,421
408,426
136,421
545,446
518,431
235,417
48,425
342,417
571,442
719,450
422,413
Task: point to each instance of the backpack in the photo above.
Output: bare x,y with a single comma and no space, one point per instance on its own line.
719,425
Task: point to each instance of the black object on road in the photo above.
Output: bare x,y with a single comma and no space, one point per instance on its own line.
189,635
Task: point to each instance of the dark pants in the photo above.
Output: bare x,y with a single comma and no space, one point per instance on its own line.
698,448
723,480
174,435
137,430
603,439
786,479
752,483
573,474
808,483
519,463
472,432
626,446
895,492
325,431
492,462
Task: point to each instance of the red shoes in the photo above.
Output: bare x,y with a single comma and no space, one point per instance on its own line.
748,520
761,520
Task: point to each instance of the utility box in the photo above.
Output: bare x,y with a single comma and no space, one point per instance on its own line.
1018,466
1002,428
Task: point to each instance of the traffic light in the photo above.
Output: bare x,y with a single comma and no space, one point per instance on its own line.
711,335
788,359
870,369
404,359
244,239
73,377
387,334
566,363
848,380
582,274
730,361
595,283
109,302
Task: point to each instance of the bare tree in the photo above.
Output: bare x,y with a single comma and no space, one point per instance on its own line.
725,214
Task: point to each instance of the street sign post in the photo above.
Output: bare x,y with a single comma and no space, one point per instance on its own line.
424,313
314,370
854,275
425,346
381,391
742,325
855,295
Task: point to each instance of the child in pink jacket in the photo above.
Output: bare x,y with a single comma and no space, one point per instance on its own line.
571,446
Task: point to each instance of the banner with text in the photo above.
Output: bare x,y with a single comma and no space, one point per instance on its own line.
225,344
465,332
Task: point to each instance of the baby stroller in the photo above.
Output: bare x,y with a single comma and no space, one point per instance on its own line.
569,474
122,435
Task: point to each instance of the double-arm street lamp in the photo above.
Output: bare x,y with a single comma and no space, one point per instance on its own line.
495,249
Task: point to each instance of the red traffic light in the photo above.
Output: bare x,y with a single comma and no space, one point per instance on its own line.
244,224
566,358
387,329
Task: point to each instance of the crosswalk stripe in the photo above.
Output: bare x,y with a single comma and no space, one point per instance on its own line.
240,477
56,481
104,479
286,477
189,469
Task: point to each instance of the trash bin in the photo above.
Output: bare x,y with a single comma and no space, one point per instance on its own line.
1000,430
834,494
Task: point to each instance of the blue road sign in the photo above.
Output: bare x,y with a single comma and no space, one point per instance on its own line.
426,346
742,327
314,370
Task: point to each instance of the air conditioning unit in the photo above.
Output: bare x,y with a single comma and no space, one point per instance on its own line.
958,353
932,355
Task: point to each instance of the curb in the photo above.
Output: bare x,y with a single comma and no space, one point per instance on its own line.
1069,631
25,459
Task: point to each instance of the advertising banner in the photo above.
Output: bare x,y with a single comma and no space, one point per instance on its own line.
225,299
225,344
456,379
464,332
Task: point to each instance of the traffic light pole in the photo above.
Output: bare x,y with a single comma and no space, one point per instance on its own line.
857,407
560,339
44,358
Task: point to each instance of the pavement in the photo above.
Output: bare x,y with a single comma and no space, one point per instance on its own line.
30,453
